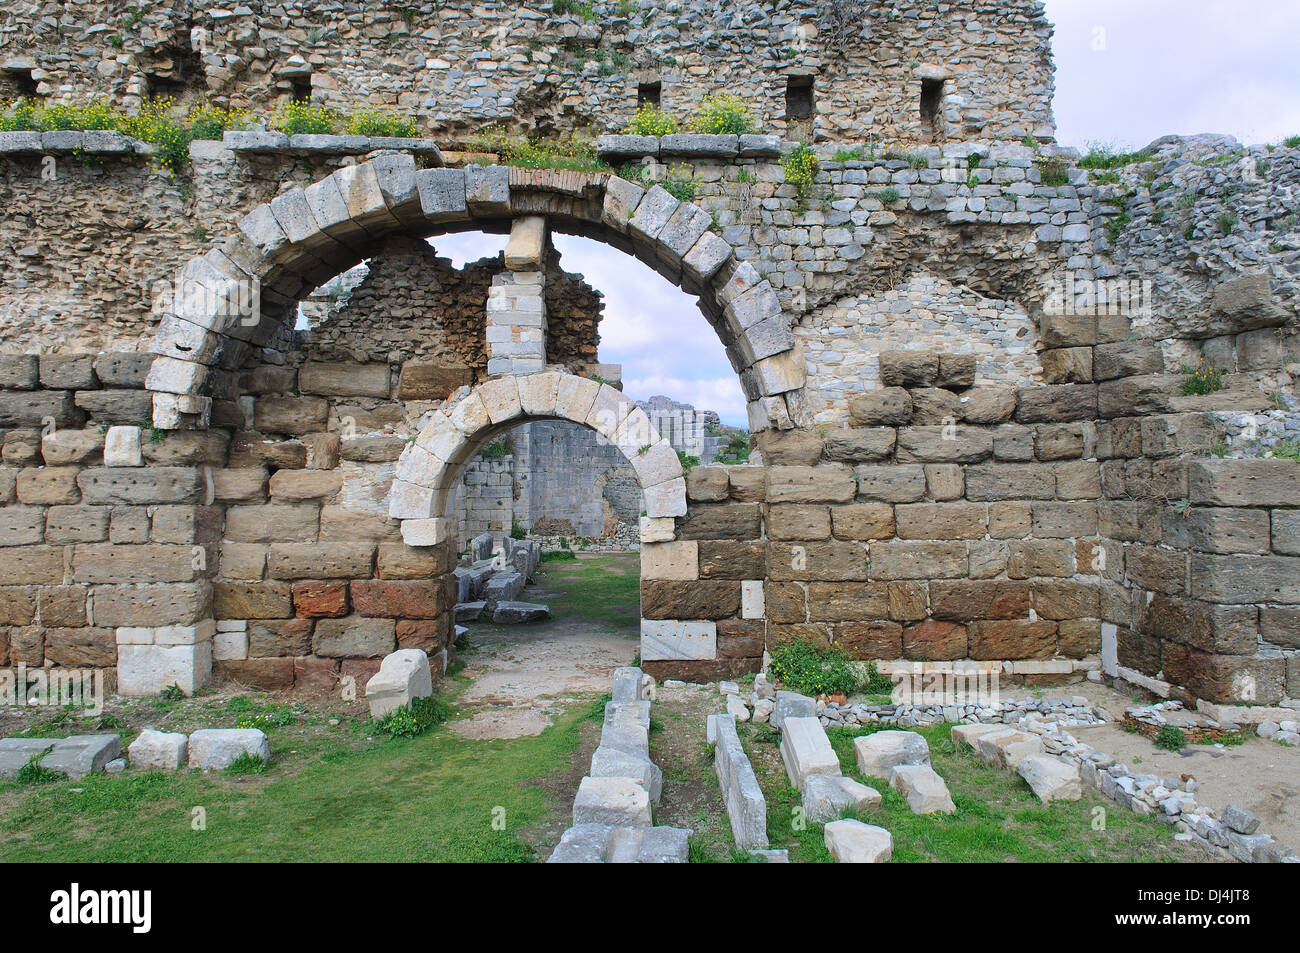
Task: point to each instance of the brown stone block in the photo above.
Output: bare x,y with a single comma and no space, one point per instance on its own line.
906,559
1280,625
399,561
785,602
1253,482
968,601
86,647
945,481
1137,651
321,560
740,638
1259,680
408,599
428,635
320,600
31,565
1078,480
1049,557
1058,441
847,601
800,448
886,407
702,671
695,599
707,484
157,604
941,520
798,521
1010,481
27,645
1012,639
249,450
862,521
279,638
818,633
909,368
431,381
70,524
17,605
1220,630
860,445
243,561
133,486
184,523
290,415
296,485
187,448
732,559
252,600
907,601
1217,529
890,483
1161,570
1067,365
318,676
934,406
870,640
945,444
1010,520
1056,403
1078,638
262,674
63,605
988,558
934,641
829,483
273,523
721,521
748,483
360,670
129,524
816,561
1066,599
1064,520
154,562
956,371
354,637
46,486
989,404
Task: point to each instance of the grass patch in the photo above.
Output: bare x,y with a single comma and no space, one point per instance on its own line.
1200,380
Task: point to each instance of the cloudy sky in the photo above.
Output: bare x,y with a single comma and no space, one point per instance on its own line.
1128,71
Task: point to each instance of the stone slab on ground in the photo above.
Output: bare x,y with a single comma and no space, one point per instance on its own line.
791,705
634,712
1052,779
969,734
82,755
619,802
16,752
604,843
626,736
925,791
469,611
403,676
877,754
826,797
512,613
746,806
159,750
213,749
1007,748
852,842
806,750
503,587
613,763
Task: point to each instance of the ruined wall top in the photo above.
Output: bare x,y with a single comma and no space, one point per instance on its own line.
838,70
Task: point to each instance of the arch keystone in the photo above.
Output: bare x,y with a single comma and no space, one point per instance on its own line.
537,393
500,396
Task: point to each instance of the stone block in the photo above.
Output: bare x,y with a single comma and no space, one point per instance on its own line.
826,798
402,677
877,754
806,750
214,749
159,750
148,669
1052,779
609,762
852,842
1005,749
619,802
924,789
670,639
79,756
746,806
354,637
909,368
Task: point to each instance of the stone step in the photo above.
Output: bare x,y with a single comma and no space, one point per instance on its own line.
619,802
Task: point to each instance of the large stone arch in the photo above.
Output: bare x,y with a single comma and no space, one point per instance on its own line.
242,294
429,470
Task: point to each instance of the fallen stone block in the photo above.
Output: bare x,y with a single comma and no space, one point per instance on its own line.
630,684
615,763
877,754
925,791
213,749
1240,820
159,750
1007,748
1052,779
403,676
648,845
480,547
969,734
502,587
469,611
791,705
511,613
81,755
852,842
619,802
826,797
746,806
806,750
737,708
581,844
16,752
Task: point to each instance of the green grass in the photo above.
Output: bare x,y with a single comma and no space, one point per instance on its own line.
605,591
998,819
429,798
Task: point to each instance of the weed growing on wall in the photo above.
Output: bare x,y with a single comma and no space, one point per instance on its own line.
723,115
1202,379
379,122
801,168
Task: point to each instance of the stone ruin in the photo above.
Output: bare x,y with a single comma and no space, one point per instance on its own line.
978,443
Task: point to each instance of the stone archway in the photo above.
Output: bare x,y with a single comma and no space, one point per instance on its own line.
241,295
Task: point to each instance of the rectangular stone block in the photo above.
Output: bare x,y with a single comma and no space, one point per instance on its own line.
354,637
321,560
806,750
917,560
668,639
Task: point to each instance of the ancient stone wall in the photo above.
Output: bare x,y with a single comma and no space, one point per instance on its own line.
986,67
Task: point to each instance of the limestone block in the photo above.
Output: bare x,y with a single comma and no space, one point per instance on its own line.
882,751
682,231
354,637
214,749
403,676
229,646
852,842
619,802
81,755
148,669
656,465
673,560
791,705
362,195
500,396
751,599
1052,779
607,762
15,753
442,194
122,447
746,806
487,191
344,379
706,257
511,612
669,639
925,791
826,797
527,245
630,685
652,213
657,529
621,199
806,750
667,499
159,750
969,734
1007,748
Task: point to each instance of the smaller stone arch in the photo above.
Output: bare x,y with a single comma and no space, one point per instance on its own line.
429,469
